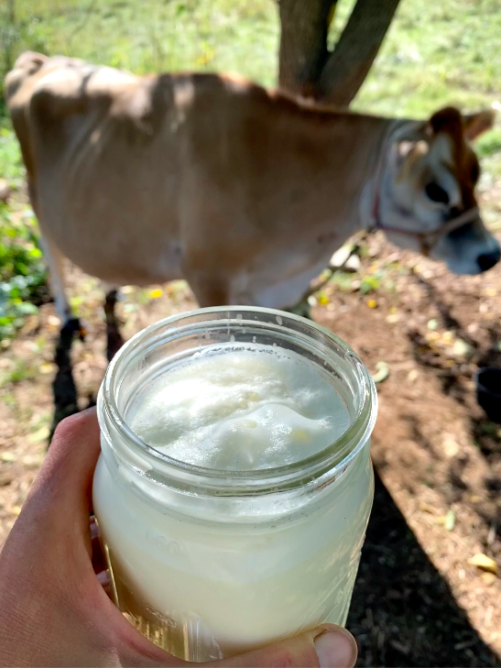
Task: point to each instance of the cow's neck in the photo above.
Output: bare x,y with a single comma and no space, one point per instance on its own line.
349,188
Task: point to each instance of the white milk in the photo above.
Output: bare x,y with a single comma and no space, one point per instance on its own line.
242,409
206,578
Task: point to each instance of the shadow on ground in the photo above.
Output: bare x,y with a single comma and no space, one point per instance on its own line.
403,612
452,379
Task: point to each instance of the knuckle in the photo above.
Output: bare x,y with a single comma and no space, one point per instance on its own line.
70,427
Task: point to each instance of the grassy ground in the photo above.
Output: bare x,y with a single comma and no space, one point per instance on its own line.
436,53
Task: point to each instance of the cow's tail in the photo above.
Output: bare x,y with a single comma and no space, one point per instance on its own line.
18,96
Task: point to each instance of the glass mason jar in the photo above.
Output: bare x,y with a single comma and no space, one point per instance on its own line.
210,563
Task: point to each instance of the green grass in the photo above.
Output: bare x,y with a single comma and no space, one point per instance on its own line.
436,54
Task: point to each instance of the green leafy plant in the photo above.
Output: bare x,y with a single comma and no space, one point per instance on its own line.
23,275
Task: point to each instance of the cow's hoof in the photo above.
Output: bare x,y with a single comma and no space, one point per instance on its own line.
73,327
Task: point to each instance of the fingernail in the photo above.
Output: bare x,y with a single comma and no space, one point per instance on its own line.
336,649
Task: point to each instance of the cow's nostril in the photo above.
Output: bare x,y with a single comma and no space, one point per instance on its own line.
488,260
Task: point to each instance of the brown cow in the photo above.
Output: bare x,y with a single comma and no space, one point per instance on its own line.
243,191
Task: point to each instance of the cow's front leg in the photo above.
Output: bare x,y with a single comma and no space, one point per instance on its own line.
55,263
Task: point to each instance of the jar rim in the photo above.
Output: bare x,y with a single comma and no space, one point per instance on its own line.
144,458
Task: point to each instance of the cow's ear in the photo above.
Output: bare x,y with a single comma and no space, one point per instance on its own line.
447,120
476,124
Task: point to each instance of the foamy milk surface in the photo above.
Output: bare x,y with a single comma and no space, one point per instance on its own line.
235,408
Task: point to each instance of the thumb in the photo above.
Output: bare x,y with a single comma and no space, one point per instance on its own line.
327,646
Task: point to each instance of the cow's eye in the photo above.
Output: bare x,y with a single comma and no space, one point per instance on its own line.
436,193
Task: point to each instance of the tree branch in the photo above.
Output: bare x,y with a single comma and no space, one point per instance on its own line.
308,69
347,67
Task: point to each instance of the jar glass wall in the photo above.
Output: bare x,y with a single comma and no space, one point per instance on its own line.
208,563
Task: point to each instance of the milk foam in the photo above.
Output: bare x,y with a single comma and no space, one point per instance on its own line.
235,408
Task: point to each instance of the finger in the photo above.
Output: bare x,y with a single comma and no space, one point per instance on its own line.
328,646
61,494
69,466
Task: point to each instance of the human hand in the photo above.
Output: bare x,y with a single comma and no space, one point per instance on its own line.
53,609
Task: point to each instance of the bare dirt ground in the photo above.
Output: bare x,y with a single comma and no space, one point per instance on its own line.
418,602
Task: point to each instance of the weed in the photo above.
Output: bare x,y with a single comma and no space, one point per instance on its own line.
22,271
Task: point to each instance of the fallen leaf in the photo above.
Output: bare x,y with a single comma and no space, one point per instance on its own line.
39,435
383,371
451,446
392,318
15,510
413,375
450,520
484,562
341,256
323,299
448,337
488,578
460,348
7,457
33,460
490,292
155,293
425,507
47,367
352,264
432,324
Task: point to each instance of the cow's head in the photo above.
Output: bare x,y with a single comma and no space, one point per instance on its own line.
427,197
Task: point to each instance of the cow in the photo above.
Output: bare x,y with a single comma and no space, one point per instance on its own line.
244,192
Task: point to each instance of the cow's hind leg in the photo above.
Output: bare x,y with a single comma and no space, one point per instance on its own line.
302,308
114,340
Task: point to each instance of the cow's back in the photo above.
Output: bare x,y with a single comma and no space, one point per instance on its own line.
145,179
93,137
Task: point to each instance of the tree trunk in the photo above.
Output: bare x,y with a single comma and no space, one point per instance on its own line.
308,69
9,29
303,44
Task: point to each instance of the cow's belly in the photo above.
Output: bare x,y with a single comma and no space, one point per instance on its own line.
161,267
274,291
122,258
